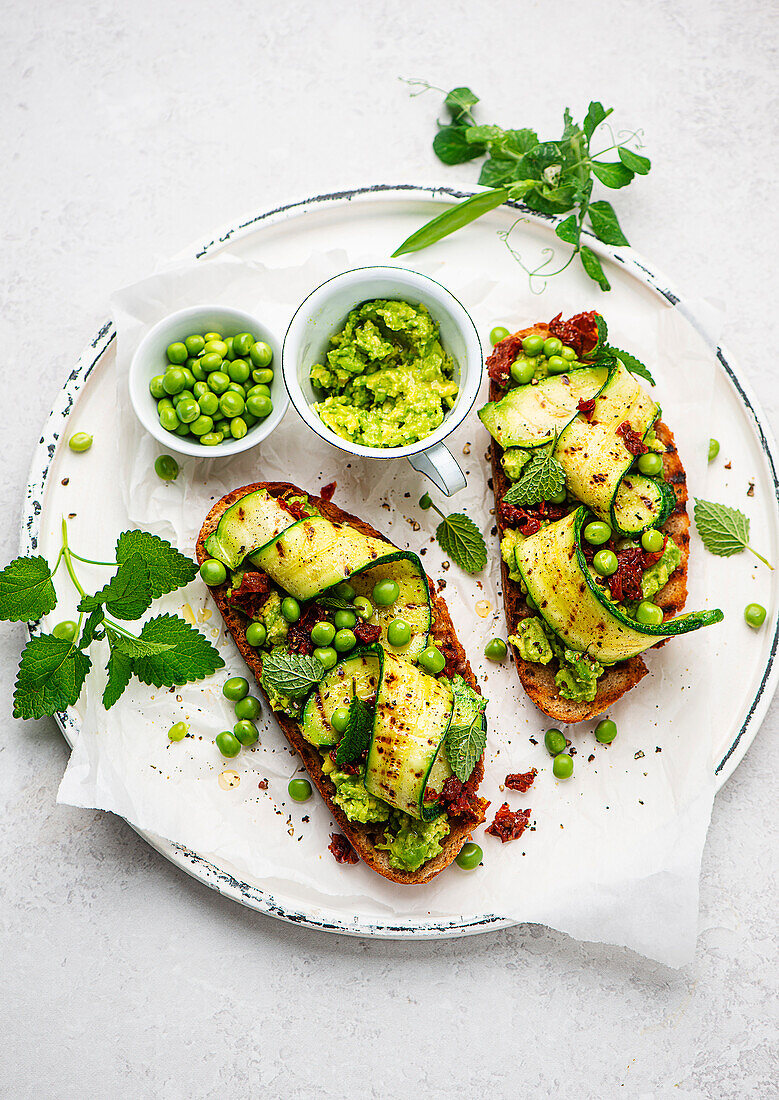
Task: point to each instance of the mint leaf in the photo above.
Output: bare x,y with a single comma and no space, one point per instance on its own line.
335,603
357,735
612,174
90,628
51,675
724,531
168,569
604,223
635,366
120,670
191,656
292,674
26,591
541,479
634,161
127,595
134,648
592,266
461,539
466,737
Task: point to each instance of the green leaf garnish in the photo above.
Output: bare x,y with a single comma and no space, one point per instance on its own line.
190,656
120,671
135,648
612,174
452,146
459,102
635,366
724,531
461,539
542,478
51,675
127,595
592,266
335,603
466,738
291,674
26,590
168,569
604,223
357,735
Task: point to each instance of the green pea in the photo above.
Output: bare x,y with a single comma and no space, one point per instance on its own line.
344,640
178,731
174,380
165,404
156,388
246,732
555,742
182,429
228,744
212,439
552,346
189,377
218,381
649,613
212,336
222,426
432,660
166,468
568,353
652,540
242,343
326,655
199,389
340,719
299,790
169,420
238,427
80,442
522,371
187,411
754,614
605,731
239,370
385,592
562,766
211,363
260,406
254,391
66,631
202,426
213,572
470,857
215,347
398,633
425,502
230,404
237,687
495,649
713,449
261,354
500,332
183,395
194,344
177,353
558,498
236,387
363,607
248,419
248,709
345,591
556,364
597,532
197,371
650,464
208,403
256,634
605,562
263,376
322,633
344,620
533,345
290,609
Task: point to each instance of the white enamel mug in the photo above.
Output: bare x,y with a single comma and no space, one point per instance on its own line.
324,312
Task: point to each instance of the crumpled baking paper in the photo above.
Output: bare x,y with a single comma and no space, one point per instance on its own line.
614,853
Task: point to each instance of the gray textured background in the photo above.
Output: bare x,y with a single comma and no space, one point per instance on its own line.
128,129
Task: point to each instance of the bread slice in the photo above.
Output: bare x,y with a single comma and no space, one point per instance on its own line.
539,680
363,838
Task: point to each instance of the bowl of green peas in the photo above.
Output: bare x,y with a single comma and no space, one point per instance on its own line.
203,381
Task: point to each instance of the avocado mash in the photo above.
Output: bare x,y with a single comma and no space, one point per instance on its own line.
356,801
577,676
275,624
387,380
415,841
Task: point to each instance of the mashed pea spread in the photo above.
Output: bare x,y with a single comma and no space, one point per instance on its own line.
387,379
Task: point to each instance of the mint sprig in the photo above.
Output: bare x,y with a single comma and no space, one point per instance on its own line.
26,590
541,479
357,735
466,737
724,531
459,538
291,674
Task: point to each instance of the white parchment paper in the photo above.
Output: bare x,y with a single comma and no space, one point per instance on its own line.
614,854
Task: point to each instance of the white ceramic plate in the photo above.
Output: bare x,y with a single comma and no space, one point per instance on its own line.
742,687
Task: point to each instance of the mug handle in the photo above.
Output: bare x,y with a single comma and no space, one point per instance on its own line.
441,467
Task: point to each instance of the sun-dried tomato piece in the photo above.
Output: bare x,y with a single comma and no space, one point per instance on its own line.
521,781
503,355
579,332
509,824
342,849
367,633
513,516
326,492
251,593
586,408
625,584
461,800
632,440
263,784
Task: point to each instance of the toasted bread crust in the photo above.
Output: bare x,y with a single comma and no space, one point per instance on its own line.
539,680
363,838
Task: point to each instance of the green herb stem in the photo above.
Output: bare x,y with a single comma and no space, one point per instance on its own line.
91,561
66,553
760,556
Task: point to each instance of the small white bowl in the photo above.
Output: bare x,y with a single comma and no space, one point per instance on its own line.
324,312
150,359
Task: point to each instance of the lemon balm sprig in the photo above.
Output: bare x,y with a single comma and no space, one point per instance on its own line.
459,537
